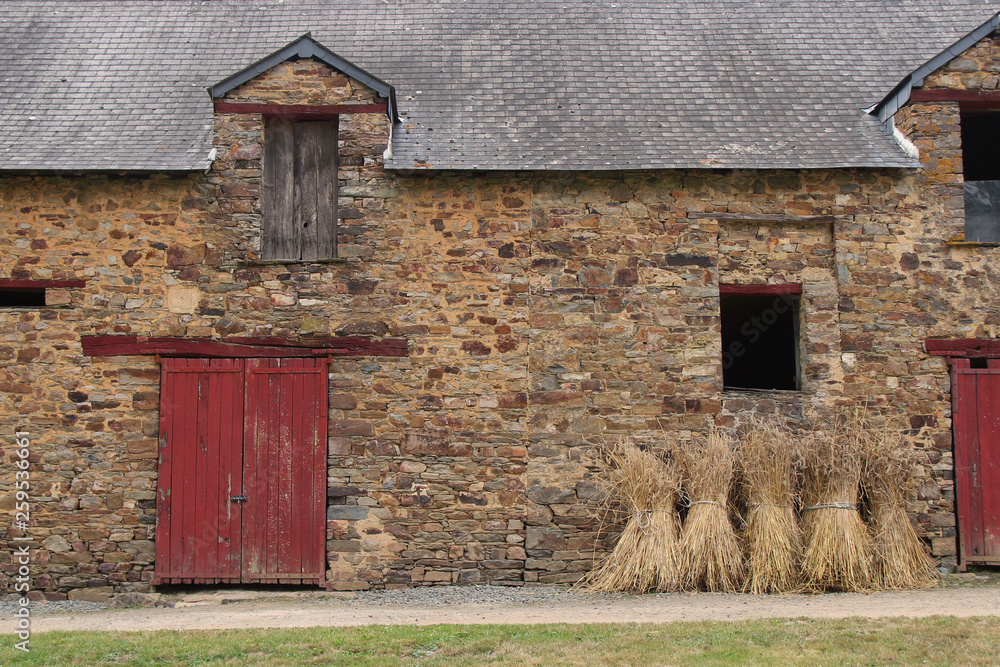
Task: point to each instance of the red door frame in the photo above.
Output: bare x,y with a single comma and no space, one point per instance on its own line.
233,419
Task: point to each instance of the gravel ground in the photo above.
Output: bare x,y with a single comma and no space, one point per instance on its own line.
436,596
9,605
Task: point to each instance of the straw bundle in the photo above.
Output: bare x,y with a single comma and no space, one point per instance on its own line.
772,535
711,556
838,552
644,558
900,559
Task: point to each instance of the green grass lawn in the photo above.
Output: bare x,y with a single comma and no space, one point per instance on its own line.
933,641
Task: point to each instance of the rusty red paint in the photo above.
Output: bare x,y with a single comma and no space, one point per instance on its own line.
231,428
104,346
941,95
299,111
976,414
760,289
6,283
963,347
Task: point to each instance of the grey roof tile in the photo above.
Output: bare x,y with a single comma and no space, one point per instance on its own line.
505,84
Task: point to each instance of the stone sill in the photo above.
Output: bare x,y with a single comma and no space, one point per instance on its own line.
959,243
283,262
66,306
780,392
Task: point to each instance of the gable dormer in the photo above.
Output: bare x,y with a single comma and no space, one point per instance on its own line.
280,130
342,84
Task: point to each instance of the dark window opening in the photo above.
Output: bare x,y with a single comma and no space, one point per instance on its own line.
978,362
300,189
760,341
981,173
22,298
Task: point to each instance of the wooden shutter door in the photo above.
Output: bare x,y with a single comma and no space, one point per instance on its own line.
284,521
198,536
976,395
299,204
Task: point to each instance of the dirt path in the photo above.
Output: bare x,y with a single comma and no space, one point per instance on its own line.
209,611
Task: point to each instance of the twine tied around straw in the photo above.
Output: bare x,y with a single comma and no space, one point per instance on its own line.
831,506
644,519
689,503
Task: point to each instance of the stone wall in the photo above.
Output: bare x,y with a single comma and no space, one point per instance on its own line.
547,314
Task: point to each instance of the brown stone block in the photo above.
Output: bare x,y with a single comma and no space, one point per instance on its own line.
146,400
138,376
180,255
117,557
944,546
436,442
143,449
476,348
594,276
343,402
570,399
548,494
380,448
512,400
929,491
349,427
544,537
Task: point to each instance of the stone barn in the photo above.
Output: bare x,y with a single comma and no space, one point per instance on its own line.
348,293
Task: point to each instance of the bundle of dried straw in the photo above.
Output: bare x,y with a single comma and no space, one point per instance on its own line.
644,558
838,552
711,556
768,467
900,559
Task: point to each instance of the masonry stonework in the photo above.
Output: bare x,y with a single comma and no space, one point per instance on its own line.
546,313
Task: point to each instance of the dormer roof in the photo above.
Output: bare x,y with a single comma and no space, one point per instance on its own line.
307,47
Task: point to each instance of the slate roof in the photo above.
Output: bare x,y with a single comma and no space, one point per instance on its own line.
483,84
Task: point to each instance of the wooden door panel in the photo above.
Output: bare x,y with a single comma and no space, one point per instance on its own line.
988,469
201,414
976,414
285,470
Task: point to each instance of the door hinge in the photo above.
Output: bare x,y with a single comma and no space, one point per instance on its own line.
238,499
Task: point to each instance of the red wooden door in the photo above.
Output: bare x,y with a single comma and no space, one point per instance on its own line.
976,415
198,537
241,490
284,472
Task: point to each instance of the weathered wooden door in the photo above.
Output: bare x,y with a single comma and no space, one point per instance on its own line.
976,414
242,474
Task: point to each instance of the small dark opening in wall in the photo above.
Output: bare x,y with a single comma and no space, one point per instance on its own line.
22,298
981,175
978,362
760,341
980,143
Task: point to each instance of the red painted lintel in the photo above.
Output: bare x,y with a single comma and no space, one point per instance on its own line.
941,95
760,289
963,347
115,346
40,284
299,111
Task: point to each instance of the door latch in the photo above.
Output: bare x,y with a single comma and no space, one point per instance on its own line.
238,499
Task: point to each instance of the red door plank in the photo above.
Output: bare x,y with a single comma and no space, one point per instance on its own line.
289,539
988,469
228,482
966,425
193,519
985,399
254,467
303,469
